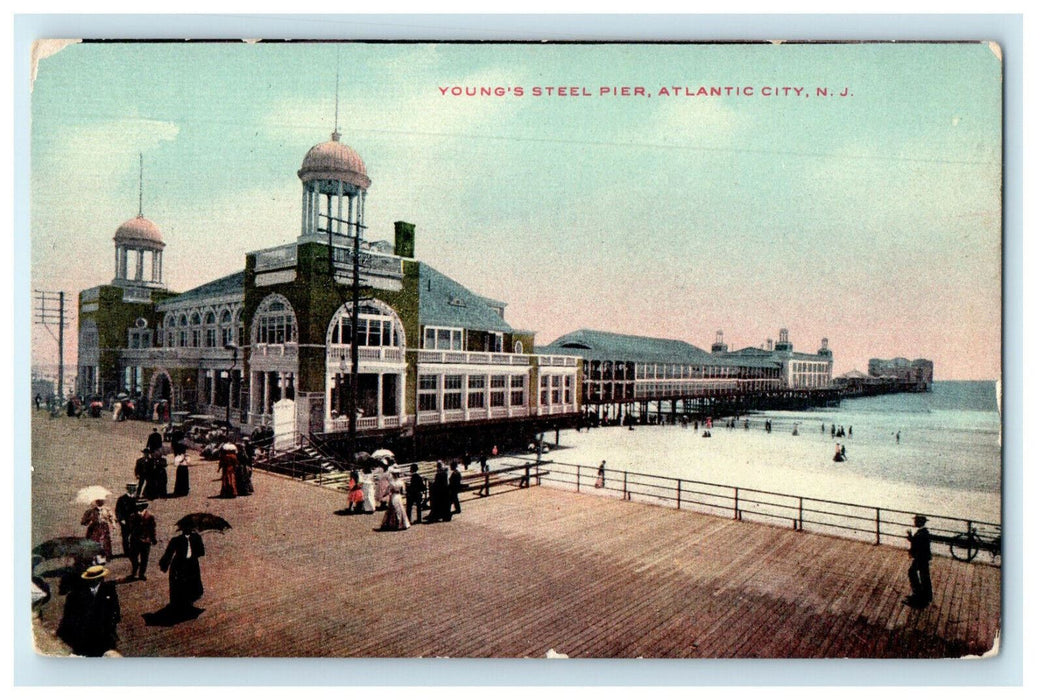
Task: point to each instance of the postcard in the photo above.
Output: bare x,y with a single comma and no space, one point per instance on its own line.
516,350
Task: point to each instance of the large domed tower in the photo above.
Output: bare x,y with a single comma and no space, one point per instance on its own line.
333,191
136,240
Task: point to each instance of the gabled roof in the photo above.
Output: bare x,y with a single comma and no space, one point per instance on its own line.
444,302
603,345
230,284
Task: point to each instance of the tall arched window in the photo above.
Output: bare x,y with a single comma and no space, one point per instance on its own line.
196,322
228,331
378,326
210,329
170,323
275,322
183,331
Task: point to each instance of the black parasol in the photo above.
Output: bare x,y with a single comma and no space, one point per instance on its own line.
59,547
203,521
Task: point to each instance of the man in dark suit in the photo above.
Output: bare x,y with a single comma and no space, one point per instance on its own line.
155,441
455,487
415,494
126,506
921,553
143,471
92,611
142,526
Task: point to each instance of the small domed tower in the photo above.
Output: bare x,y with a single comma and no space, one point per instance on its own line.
784,344
137,240
825,350
333,191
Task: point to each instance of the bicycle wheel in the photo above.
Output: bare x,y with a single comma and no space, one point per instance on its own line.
964,547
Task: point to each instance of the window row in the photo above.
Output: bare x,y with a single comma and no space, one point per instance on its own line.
475,391
556,389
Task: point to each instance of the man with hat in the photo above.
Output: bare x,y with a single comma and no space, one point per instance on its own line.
142,470
92,611
126,505
921,553
142,526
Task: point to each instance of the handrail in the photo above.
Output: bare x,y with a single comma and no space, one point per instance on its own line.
801,513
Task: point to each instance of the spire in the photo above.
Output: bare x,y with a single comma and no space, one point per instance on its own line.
141,179
336,135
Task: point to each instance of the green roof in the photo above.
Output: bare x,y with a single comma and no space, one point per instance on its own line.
444,302
602,345
230,284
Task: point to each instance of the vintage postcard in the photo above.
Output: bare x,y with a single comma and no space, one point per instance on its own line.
516,350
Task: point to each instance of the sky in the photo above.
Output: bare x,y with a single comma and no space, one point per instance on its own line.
869,214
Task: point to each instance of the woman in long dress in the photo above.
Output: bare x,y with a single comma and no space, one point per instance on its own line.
182,560
395,518
228,462
100,522
181,476
369,504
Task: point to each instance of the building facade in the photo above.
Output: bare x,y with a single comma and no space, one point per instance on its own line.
272,344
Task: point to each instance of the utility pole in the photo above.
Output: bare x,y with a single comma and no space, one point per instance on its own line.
50,311
353,389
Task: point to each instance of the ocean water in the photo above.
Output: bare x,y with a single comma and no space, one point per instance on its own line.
946,461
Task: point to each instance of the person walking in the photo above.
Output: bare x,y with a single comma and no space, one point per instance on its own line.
455,487
228,462
91,614
100,521
143,536
181,475
600,478
142,471
126,506
181,559
395,517
244,471
155,442
157,478
438,498
369,501
919,573
415,494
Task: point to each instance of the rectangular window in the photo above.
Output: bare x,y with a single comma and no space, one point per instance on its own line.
443,339
374,337
476,399
452,390
518,390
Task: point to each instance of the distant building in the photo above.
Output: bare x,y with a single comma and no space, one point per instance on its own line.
621,369
915,374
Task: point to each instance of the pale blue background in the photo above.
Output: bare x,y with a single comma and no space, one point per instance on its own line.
1007,669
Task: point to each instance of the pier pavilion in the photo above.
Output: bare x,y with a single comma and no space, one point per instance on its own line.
272,344
632,376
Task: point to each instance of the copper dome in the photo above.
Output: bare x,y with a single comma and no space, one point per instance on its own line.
139,230
334,160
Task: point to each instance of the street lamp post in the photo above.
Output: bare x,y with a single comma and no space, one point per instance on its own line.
228,407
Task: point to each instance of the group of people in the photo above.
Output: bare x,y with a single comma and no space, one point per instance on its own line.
92,608
404,501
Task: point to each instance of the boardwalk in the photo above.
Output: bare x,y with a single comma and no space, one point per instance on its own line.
514,576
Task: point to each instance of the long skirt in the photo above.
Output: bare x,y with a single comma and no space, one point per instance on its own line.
181,480
395,517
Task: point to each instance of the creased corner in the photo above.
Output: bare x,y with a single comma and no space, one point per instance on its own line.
45,48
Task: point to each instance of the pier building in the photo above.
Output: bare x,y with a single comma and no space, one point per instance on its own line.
916,375
271,344
631,375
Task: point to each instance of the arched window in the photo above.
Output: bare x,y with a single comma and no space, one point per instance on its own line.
378,326
228,331
195,321
275,322
170,321
183,331
209,329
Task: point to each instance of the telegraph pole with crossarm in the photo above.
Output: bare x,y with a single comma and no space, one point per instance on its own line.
50,311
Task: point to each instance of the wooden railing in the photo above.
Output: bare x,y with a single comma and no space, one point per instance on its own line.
876,524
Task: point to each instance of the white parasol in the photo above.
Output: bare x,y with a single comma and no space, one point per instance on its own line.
383,454
90,494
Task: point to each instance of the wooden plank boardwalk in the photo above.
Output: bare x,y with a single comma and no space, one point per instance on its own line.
515,575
